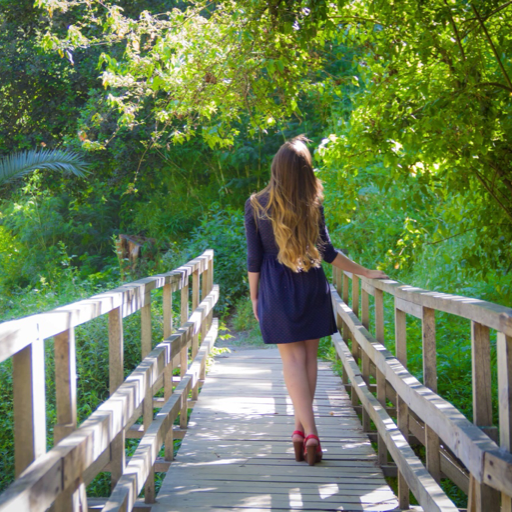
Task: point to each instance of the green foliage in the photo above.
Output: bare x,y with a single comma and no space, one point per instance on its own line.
22,163
223,231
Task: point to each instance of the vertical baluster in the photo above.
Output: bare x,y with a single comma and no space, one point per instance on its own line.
346,330
145,325
65,384
184,350
505,402
149,486
365,320
116,377
355,294
402,410
430,381
482,497
147,407
65,394
167,310
195,336
29,405
382,454
205,281
195,303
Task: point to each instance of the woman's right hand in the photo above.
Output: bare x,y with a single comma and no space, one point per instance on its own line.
375,274
255,308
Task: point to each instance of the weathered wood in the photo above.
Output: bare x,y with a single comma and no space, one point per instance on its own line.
504,349
116,377
65,384
379,316
355,294
381,397
145,325
482,497
365,309
400,336
17,334
366,376
167,309
486,313
467,441
409,307
62,467
141,464
29,400
428,493
346,330
430,381
228,448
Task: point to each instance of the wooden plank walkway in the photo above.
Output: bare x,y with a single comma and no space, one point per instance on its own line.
237,454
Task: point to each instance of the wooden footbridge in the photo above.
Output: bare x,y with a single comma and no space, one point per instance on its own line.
236,452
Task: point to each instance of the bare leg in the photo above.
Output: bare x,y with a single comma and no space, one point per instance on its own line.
300,373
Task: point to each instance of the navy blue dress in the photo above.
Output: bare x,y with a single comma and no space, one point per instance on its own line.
292,306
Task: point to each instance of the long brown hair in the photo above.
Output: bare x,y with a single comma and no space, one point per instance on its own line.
294,198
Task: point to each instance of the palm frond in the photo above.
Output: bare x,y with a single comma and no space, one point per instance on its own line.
22,163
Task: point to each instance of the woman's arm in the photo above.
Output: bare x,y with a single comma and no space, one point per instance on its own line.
344,263
254,281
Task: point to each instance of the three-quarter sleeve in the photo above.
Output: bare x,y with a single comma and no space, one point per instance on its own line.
254,245
329,253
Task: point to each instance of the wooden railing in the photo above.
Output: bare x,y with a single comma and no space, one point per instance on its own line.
455,448
59,477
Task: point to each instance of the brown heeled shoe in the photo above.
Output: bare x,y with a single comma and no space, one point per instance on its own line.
313,453
298,446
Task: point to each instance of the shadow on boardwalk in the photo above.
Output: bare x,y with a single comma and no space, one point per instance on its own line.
237,454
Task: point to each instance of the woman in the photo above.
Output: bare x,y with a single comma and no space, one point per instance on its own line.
286,242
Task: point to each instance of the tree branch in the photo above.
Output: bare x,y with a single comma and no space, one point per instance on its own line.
457,36
495,197
484,28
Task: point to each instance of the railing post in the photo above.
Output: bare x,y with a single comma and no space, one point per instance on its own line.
167,310
116,377
149,486
355,294
65,394
346,330
482,497
382,451
504,349
184,350
402,411
145,325
29,401
430,381
195,336
65,383
365,320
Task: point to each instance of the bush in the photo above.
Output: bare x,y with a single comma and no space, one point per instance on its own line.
223,231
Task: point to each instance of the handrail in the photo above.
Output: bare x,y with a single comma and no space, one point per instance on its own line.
465,452
60,476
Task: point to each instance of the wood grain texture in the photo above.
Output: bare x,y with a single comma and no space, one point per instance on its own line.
65,384
238,453
17,334
29,401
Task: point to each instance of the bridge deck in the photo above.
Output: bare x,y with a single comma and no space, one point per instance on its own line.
237,454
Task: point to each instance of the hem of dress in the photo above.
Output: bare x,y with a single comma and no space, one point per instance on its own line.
296,341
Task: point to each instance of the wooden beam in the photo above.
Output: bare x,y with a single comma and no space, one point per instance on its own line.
426,490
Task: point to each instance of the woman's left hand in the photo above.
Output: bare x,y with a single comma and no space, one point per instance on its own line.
376,274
